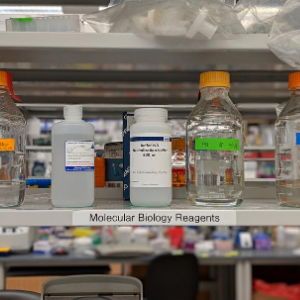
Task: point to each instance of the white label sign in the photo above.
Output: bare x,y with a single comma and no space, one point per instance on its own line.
150,162
79,156
153,217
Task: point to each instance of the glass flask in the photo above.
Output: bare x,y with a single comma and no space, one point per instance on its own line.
12,146
287,140
215,146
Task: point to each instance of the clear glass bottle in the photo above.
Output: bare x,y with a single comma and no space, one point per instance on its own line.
12,146
215,146
178,162
287,140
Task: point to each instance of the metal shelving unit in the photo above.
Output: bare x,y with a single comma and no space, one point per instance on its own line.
77,62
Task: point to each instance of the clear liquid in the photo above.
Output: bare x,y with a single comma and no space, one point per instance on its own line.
287,162
288,192
218,180
12,162
12,193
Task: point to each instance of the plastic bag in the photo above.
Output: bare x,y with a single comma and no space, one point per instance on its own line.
257,16
194,19
284,39
288,292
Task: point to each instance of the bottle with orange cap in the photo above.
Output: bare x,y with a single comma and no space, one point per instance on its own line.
12,146
287,140
215,146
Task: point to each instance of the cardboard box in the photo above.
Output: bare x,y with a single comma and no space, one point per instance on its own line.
260,296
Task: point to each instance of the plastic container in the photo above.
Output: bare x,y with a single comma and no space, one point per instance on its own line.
12,146
65,23
178,163
287,139
72,160
215,146
150,158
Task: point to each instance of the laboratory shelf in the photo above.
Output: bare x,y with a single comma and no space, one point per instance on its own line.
68,48
38,148
169,107
259,148
259,208
259,159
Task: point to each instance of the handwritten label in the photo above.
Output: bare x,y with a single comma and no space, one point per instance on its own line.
217,144
7,145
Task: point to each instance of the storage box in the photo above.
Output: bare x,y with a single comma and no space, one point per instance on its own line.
114,164
260,296
128,120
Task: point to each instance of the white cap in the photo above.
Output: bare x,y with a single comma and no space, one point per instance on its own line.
73,111
144,114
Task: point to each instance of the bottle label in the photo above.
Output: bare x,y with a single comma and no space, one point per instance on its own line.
79,156
7,145
150,162
217,144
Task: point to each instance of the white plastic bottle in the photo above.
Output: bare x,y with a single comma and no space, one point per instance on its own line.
72,160
150,158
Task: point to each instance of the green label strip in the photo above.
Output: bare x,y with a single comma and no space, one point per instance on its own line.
24,20
217,144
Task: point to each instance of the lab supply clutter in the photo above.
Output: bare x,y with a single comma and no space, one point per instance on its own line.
63,23
215,146
73,160
128,120
177,18
150,158
178,162
287,147
99,172
12,146
114,164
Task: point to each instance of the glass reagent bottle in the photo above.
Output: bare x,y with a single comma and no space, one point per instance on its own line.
72,160
150,158
12,146
215,146
287,141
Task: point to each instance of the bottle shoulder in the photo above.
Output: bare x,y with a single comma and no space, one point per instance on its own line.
291,110
10,113
215,110
64,126
151,128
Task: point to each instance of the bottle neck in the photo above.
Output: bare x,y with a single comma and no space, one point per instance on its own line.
73,119
295,91
4,90
151,120
209,93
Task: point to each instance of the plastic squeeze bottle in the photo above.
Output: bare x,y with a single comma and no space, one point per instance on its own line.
72,160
